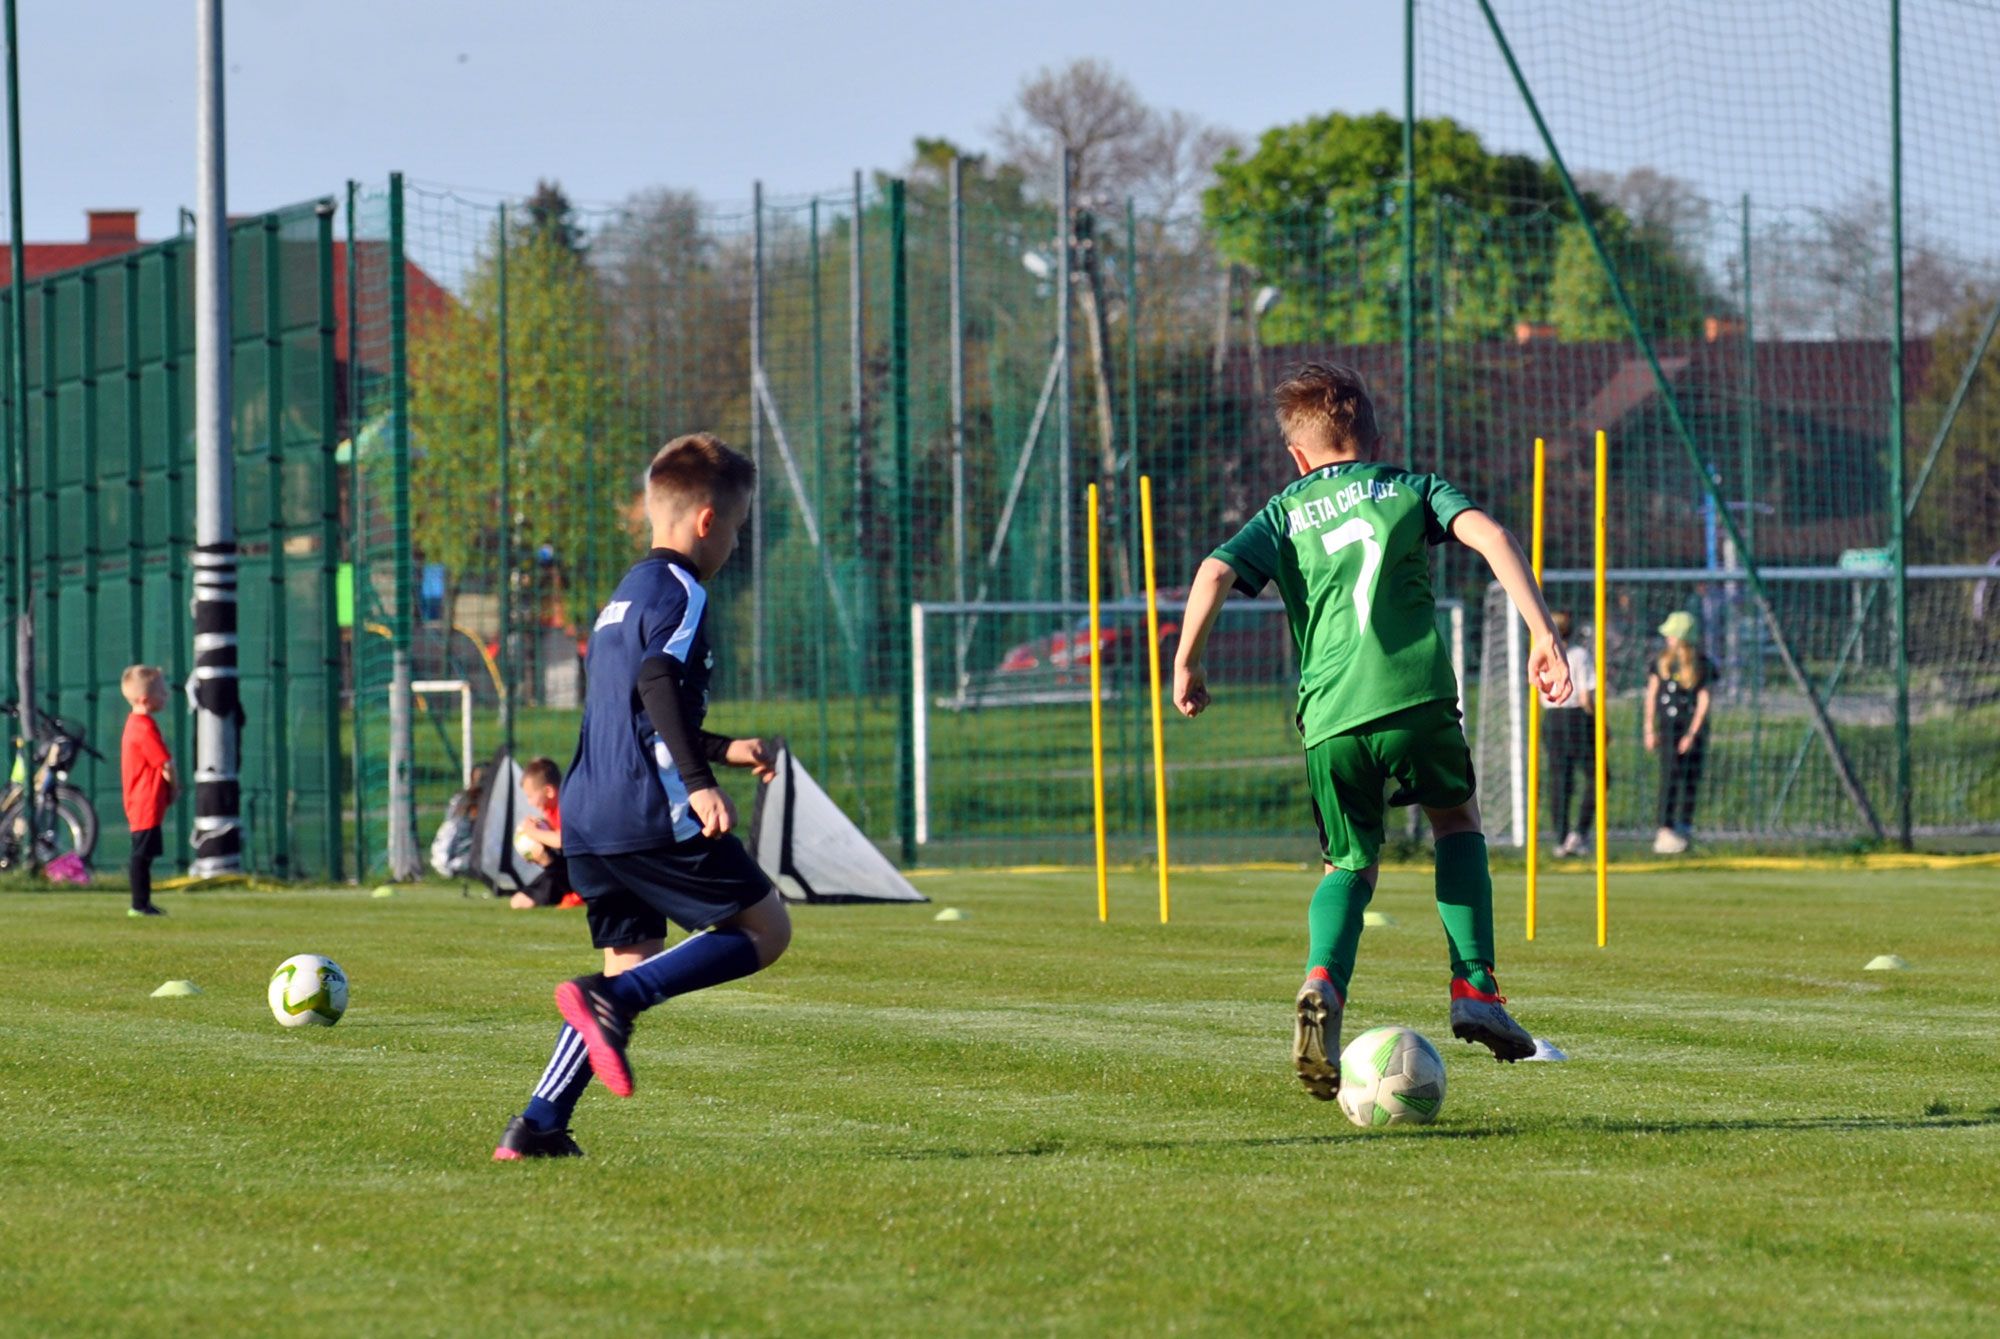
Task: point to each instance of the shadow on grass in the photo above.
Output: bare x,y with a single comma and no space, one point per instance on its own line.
1057,1147
1792,1124
1044,1148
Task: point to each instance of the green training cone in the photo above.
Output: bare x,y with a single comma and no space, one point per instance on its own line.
170,989
951,914
1377,918
384,891
1886,962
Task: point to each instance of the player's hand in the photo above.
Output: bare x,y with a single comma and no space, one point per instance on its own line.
1683,744
1652,740
1190,690
1548,669
755,754
713,808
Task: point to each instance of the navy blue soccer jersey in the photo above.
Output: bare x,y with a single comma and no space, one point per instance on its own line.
624,791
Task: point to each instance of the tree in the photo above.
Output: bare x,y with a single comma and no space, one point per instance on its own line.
550,217
563,407
1829,273
1117,149
1315,209
1957,519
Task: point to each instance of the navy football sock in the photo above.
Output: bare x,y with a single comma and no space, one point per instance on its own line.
561,1085
696,963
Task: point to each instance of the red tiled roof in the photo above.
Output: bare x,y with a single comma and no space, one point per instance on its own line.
48,257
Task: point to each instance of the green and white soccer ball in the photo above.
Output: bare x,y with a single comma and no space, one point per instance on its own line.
1391,1076
308,991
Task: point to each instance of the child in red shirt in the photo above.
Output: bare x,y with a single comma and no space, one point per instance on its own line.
146,771
539,839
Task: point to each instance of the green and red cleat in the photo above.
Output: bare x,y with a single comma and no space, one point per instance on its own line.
1477,1016
1316,1035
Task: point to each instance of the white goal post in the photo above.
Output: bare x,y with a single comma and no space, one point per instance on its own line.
996,683
425,687
1837,613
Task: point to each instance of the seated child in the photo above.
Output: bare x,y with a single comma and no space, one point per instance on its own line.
539,837
451,848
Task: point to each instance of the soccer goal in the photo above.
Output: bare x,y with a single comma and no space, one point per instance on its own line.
442,716
1001,728
1801,739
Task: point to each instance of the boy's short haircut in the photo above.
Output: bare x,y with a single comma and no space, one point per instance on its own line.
699,469
136,677
1327,405
1563,623
543,770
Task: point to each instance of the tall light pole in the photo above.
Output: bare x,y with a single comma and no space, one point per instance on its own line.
17,634
218,829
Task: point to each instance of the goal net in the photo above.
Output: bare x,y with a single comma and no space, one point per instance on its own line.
1780,765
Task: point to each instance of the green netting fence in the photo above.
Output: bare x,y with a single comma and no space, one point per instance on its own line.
1755,247
104,503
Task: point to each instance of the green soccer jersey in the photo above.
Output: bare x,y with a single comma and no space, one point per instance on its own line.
1348,546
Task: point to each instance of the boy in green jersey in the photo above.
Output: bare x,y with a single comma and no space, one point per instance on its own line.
1348,546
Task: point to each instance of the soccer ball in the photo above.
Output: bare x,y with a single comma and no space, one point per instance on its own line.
308,991
525,846
1391,1076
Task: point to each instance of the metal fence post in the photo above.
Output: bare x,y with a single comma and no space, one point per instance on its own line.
278,716
18,589
1898,450
403,862
1065,466
504,453
329,538
1409,222
758,606
899,392
819,479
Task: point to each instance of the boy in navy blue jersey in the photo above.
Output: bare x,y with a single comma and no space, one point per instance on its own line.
645,829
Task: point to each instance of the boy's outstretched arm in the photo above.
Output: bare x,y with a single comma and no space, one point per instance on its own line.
1206,593
1548,666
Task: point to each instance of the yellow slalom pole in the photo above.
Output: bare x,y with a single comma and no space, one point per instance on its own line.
1153,670
1097,714
1535,694
1599,741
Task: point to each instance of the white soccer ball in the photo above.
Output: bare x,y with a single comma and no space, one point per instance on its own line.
525,846
1391,1076
308,991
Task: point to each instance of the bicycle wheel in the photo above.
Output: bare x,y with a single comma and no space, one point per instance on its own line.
69,823
13,830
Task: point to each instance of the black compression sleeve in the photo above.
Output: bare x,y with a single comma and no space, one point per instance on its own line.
713,747
660,695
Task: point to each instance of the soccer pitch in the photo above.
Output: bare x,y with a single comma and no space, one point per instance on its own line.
1021,1122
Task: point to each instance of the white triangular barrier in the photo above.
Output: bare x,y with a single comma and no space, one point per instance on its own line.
812,850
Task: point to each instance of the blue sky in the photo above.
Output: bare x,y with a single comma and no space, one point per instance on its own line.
611,96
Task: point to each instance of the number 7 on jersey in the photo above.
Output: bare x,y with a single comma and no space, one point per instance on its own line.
1358,531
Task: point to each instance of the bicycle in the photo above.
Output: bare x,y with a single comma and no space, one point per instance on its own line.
60,816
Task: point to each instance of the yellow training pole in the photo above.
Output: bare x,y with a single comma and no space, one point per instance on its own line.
1097,714
1153,669
1601,706
1535,693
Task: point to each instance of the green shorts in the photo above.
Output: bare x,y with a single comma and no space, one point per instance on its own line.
1419,750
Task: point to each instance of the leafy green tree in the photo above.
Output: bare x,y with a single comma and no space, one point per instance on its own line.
1957,519
563,413
1315,209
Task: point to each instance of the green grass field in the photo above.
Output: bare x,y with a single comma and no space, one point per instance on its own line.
1021,1123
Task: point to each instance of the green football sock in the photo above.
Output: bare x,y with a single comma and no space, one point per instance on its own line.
1333,925
1465,905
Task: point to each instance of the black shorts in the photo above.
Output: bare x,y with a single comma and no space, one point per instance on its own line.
629,898
548,887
